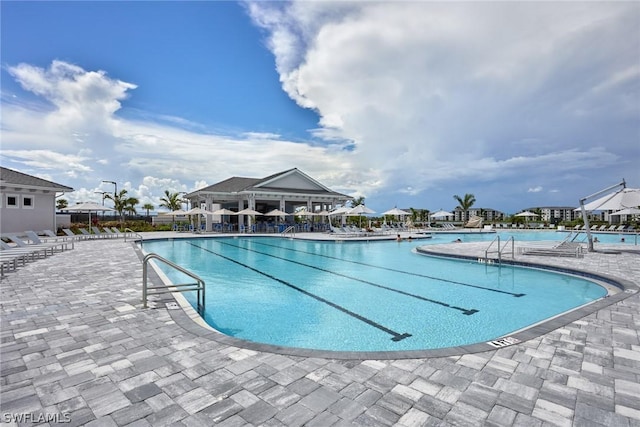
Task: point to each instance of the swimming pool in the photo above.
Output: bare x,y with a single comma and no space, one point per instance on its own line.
365,297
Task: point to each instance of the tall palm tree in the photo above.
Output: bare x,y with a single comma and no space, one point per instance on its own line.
171,201
62,204
357,201
465,204
148,207
122,203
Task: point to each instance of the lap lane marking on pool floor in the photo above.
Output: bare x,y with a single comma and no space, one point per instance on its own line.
465,311
517,295
395,336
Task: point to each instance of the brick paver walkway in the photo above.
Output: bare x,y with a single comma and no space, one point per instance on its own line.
77,346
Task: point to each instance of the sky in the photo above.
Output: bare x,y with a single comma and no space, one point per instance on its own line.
406,104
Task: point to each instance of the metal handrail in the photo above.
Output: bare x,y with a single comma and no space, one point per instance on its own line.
291,229
128,230
487,251
199,286
500,249
513,244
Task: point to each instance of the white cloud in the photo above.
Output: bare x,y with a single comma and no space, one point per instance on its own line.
439,92
413,98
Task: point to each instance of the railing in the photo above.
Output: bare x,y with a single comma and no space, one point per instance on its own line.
291,229
500,249
130,231
185,287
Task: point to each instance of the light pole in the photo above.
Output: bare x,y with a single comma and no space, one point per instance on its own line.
115,186
103,193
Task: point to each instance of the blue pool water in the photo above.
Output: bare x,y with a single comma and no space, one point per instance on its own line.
376,296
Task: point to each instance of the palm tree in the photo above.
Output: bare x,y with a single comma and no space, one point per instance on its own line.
171,201
148,207
357,201
122,203
62,204
465,203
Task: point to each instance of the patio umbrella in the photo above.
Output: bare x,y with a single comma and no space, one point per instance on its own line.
396,211
441,214
627,211
621,199
277,212
89,207
248,211
526,214
340,211
359,211
223,212
198,211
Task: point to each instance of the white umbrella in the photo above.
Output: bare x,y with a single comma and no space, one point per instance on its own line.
360,210
89,207
340,211
621,199
248,211
223,212
277,212
526,214
627,211
198,211
441,214
396,211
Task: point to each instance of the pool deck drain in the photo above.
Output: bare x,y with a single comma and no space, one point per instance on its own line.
76,342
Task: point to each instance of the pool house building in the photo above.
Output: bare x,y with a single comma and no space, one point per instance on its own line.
288,191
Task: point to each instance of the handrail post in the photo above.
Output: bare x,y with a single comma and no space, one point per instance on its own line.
200,285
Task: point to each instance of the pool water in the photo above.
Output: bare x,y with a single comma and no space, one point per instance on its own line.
375,296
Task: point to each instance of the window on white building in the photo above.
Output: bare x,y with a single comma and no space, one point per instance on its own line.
27,202
12,201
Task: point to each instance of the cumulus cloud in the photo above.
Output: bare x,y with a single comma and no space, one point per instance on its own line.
414,99
415,84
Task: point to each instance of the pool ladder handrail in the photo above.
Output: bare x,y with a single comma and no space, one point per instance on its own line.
500,249
199,286
291,229
130,231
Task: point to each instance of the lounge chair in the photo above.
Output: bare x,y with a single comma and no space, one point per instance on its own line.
29,248
71,235
35,240
101,234
612,228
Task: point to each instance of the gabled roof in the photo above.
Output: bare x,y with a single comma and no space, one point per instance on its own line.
275,182
15,178
231,185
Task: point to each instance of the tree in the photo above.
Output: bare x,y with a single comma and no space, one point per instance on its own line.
357,201
122,203
148,207
62,204
465,204
171,201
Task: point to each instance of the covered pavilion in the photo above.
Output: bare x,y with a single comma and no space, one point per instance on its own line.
286,191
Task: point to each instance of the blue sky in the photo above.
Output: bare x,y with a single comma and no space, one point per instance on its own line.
404,103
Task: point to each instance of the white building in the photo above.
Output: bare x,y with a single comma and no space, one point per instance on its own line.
286,191
27,202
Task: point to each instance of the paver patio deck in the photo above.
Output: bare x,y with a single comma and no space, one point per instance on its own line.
77,348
